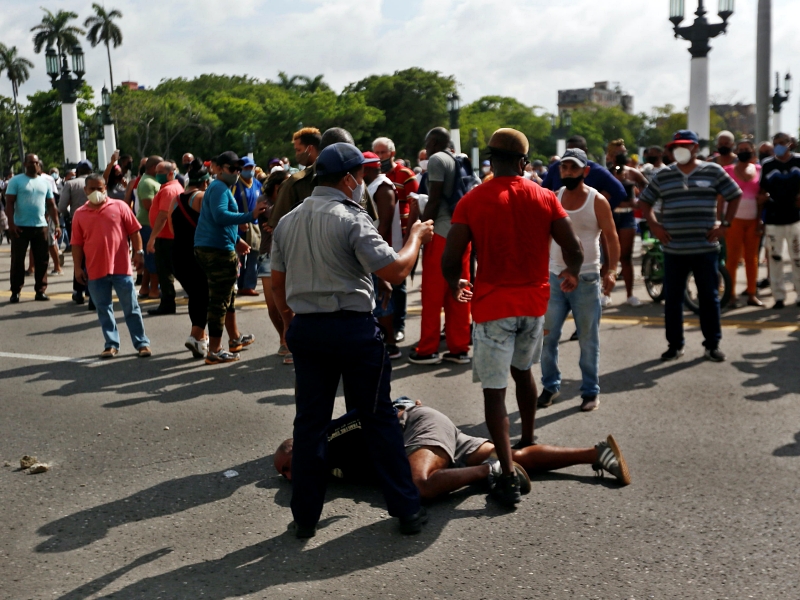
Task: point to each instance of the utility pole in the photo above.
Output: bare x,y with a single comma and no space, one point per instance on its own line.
763,68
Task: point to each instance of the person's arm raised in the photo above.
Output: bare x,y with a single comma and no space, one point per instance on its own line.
397,271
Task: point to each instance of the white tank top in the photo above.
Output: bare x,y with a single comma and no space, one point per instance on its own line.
396,231
584,221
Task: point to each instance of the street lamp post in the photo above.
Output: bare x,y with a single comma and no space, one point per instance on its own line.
85,137
67,87
699,34
778,99
763,68
102,157
249,140
454,109
560,126
109,132
476,157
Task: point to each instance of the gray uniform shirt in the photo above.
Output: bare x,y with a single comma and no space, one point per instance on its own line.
328,247
442,167
72,196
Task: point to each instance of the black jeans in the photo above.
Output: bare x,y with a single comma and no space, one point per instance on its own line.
347,346
706,275
193,281
166,274
37,237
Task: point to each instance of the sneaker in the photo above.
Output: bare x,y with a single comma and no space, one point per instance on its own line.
54,272
496,471
634,302
505,489
198,348
590,403
223,356
413,524
303,532
145,352
610,459
241,342
77,298
288,359
547,398
394,352
109,352
605,301
399,336
14,298
778,305
61,260
41,297
283,350
462,358
672,354
763,284
425,359
715,355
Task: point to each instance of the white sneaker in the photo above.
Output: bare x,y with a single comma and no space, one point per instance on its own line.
198,348
605,301
634,301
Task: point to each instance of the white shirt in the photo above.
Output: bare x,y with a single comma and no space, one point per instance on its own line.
584,222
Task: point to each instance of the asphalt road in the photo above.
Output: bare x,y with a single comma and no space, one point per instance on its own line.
133,510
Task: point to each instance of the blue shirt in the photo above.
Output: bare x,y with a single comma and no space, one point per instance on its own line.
219,219
32,194
246,197
599,178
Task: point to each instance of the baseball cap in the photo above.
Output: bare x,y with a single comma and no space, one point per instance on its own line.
248,162
577,156
486,163
684,137
230,159
338,158
403,402
84,164
371,160
537,163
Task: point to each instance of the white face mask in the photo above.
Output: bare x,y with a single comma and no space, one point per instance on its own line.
486,170
423,164
356,193
97,197
682,155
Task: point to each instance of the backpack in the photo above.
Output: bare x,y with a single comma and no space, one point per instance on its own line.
464,182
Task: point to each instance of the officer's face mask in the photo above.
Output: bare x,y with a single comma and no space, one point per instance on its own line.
357,192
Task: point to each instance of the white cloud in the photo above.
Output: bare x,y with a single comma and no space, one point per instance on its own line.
522,48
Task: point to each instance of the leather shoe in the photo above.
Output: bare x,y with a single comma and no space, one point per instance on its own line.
77,298
413,524
41,297
14,298
302,532
247,292
161,310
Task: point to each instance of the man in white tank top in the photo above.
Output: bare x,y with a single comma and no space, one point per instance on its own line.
591,215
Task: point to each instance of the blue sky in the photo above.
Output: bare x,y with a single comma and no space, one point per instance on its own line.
523,48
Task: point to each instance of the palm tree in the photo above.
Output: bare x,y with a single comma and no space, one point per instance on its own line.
102,29
55,29
17,69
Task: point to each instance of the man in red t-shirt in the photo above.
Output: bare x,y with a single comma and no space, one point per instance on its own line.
405,183
101,229
162,238
509,220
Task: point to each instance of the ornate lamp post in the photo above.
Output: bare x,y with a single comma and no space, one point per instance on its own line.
108,126
778,99
249,140
67,87
699,33
454,109
102,157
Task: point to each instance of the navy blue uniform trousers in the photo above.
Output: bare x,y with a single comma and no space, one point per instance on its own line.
704,266
348,346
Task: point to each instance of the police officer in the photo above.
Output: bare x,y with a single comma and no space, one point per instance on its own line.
323,253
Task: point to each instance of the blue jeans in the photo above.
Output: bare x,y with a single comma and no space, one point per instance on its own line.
584,302
149,259
248,273
100,290
706,276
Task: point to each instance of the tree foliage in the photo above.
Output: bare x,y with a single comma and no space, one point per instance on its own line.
101,29
55,29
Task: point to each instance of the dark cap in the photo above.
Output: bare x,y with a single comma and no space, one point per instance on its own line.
84,164
230,159
338,158
684,137
577,156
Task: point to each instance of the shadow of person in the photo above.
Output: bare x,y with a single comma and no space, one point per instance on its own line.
789,449
282,560
643,376
776,368
169,497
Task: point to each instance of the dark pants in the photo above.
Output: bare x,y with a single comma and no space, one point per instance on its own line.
77,286
37,237
166,274
347,346
193,281
399,299
706,276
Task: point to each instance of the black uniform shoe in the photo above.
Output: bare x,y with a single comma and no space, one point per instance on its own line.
303,532
778,305
14,298
715,355
413,524
77,298
41,297
672,354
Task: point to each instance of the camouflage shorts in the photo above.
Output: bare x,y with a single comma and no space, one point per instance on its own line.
221,268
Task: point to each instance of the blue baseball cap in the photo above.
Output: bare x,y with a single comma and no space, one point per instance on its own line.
248,162
84,164
684,137
338,158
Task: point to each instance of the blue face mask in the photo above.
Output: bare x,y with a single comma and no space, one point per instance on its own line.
781,150
247,174
161,178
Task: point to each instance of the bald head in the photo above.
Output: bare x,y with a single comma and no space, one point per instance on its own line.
437,140
335,135
151,164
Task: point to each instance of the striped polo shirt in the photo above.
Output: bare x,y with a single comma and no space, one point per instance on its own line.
690,204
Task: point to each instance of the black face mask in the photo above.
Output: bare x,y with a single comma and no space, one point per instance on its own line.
763,156
745,156
724,150
386,165
651,159
571,182
621,160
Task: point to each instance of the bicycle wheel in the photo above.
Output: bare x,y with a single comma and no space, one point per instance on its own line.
653,274
690,299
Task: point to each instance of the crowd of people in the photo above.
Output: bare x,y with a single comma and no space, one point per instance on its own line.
506,256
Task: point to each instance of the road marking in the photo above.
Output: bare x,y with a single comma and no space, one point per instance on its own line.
45,358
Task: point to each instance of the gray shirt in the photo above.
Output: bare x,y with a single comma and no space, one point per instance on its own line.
72,196
442,167
328,247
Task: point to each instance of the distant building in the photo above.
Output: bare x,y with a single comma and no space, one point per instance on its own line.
599,95
739,118
131,85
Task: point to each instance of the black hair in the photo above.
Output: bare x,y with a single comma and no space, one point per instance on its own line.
310,139
577,141
334,135
197,170
273,181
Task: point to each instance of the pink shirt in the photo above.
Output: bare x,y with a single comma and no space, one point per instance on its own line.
162,201
748,207
103,233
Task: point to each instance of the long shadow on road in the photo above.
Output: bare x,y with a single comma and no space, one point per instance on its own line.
778,368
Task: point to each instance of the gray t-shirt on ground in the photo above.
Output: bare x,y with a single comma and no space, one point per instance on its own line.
442,167
328,247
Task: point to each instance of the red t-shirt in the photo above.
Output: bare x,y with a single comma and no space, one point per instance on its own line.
405,183
510,219
103,233
162,201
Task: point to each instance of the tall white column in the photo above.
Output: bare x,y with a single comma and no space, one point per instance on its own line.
776,123
69,131
111,143
102,157
476,160
763,68
699,109
561,147
83,154
455,135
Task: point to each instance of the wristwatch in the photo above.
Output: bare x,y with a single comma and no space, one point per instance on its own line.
140,252
726,224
